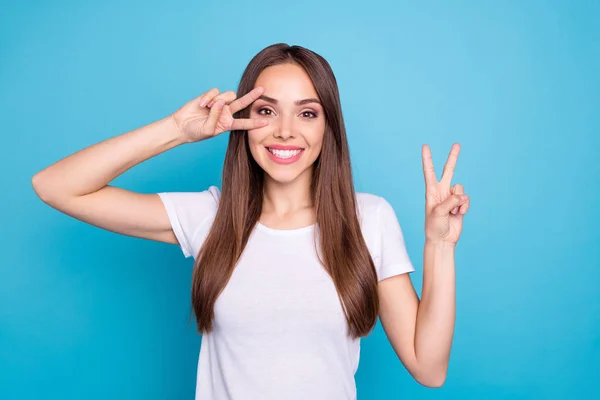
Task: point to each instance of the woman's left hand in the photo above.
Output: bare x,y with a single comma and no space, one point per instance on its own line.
445,205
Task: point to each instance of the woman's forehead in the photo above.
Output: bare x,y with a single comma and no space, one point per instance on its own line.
286,83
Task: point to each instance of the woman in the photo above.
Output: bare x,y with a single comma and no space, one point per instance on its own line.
292,266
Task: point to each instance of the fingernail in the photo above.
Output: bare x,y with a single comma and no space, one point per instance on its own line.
464,197
203,103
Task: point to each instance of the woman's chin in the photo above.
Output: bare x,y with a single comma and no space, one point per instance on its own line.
284,175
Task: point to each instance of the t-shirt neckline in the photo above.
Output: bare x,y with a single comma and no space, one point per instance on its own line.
294,231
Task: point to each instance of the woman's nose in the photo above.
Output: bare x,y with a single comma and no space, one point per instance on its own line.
284,127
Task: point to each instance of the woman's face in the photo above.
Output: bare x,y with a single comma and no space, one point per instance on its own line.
288,146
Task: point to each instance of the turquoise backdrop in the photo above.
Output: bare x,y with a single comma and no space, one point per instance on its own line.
86,313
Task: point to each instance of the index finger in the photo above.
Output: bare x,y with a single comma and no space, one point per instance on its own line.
246,124
246,100
451,164
428,170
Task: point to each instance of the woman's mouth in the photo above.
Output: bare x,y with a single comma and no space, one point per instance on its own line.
281,156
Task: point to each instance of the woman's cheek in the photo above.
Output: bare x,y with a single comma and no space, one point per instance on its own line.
255,143
316,138
254,136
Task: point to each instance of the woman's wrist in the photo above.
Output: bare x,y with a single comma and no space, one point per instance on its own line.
174,132
439,244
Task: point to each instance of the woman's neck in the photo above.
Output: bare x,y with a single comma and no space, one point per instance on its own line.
282,199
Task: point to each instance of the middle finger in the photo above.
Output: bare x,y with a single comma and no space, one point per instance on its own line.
246,100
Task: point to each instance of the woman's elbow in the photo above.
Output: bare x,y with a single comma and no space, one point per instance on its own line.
436,380
433,376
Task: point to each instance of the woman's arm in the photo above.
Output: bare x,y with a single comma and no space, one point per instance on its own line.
77,185
421,332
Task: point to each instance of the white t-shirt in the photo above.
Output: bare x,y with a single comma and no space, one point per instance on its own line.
279,328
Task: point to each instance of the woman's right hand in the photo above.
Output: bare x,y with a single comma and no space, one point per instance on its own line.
212,113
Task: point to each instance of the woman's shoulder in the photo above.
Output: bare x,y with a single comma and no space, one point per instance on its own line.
214,191
194,202
210,194
383,235
374,211
369,204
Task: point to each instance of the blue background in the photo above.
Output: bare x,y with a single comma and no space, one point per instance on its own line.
86,313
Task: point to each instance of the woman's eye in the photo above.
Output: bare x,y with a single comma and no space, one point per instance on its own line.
260,111
309,114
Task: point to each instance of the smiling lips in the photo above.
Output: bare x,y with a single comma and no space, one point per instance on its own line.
284,154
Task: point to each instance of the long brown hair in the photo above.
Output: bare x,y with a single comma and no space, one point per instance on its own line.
343,251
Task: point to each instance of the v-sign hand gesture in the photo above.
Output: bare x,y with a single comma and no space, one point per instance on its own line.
445,205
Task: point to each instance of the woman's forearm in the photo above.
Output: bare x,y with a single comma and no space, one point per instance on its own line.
436,313
93,167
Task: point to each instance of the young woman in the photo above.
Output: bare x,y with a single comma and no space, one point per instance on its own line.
292,267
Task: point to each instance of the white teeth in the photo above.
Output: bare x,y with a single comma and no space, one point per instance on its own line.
284,153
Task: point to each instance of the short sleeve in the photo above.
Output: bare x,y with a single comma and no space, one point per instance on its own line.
191,213
392,255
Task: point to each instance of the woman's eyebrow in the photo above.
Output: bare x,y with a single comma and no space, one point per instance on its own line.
297,102
307,101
